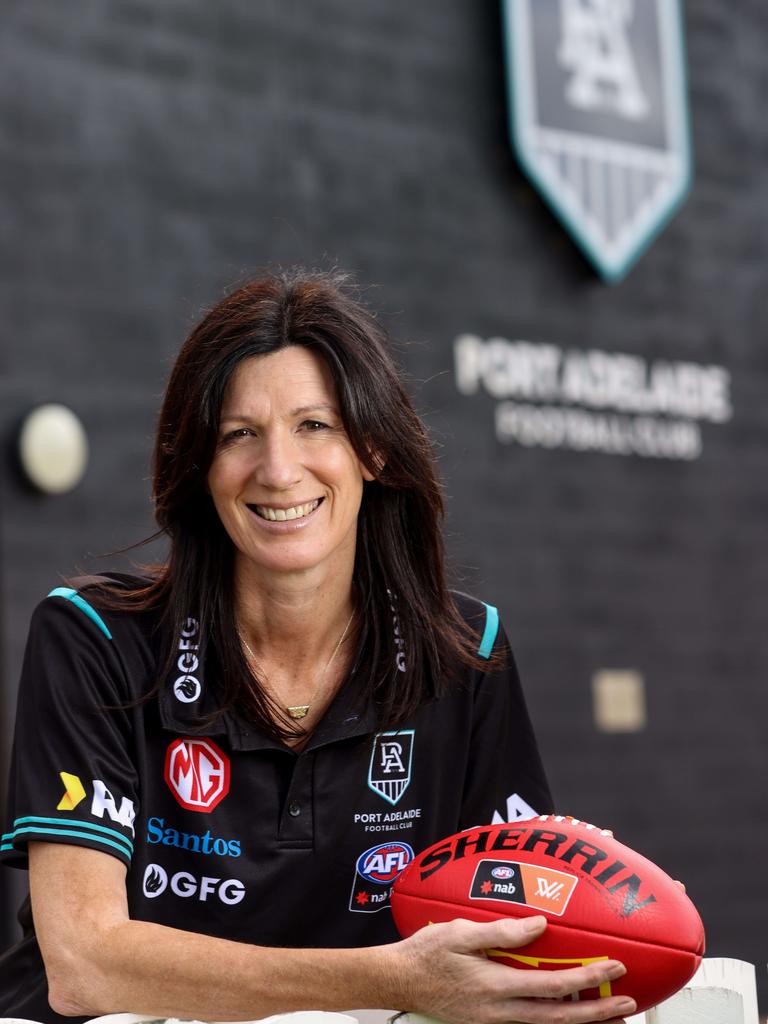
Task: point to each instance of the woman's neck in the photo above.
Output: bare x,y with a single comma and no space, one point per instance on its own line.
292,622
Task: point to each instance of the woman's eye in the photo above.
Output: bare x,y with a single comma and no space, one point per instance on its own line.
233,435
314,425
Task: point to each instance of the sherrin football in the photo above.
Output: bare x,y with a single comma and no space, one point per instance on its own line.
601,900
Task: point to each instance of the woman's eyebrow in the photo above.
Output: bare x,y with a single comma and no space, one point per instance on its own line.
315,408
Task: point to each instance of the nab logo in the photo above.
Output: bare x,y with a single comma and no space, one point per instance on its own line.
512,882
103,801
197,773
382,864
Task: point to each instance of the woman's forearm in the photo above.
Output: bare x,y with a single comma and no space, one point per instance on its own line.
148,968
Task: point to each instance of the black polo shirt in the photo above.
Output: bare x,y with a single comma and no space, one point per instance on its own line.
222,829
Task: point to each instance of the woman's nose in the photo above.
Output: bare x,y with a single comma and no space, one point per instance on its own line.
278,467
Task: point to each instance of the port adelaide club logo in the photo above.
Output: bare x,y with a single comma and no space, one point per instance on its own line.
375,874
197,773
599,117
389,773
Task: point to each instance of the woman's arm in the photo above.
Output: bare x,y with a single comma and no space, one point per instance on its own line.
100,961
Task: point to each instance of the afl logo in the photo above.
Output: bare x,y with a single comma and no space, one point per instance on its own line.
197,773
382,864
502,872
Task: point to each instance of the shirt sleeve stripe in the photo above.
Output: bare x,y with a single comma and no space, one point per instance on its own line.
491,631
45,831
82,604
74,822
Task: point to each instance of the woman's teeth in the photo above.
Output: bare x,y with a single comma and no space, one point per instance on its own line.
278,515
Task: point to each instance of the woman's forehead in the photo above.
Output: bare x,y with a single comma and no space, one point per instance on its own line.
293,378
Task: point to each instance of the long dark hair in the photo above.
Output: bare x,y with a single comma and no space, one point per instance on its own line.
413,639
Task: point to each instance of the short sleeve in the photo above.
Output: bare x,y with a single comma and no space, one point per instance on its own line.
505,778
72,777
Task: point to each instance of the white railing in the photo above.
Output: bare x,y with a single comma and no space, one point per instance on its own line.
721,992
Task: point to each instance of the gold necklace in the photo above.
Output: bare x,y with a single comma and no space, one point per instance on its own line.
302,710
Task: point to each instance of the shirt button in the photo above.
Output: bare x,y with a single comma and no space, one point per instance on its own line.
294,810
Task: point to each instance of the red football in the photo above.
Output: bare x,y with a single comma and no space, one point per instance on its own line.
601,900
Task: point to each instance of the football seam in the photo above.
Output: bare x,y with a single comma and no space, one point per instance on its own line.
552,921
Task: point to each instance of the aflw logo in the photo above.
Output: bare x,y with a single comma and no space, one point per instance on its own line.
197,773
549,890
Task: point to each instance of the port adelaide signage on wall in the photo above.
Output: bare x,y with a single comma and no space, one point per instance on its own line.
589,400
599,117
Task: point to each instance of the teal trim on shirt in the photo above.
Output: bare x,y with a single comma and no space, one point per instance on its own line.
44,823
45,831
491,631
82,604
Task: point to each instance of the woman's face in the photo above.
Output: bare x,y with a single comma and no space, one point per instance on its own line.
285,480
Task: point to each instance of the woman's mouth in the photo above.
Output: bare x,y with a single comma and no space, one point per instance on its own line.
281,515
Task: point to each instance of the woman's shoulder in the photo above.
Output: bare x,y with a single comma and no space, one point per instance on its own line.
105,599
481,617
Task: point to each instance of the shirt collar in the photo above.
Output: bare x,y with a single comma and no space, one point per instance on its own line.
347,717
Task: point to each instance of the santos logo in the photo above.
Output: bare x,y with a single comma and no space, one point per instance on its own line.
205,843
184,884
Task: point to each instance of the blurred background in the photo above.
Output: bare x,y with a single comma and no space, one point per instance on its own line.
604,457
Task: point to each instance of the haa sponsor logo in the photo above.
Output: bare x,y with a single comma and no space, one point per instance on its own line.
103,802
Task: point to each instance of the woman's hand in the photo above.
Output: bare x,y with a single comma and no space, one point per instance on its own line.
447,975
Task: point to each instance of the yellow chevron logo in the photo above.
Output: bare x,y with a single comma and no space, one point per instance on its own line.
73,792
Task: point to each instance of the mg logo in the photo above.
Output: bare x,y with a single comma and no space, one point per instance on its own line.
197,773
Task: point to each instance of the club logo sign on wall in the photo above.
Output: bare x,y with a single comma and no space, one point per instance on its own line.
599,117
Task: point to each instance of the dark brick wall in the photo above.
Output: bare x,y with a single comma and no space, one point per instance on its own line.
153,153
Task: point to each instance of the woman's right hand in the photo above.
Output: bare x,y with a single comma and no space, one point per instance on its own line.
448,975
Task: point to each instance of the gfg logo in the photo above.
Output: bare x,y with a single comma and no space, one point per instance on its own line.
187,686
184,884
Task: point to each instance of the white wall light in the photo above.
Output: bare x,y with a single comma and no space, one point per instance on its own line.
53,448
618,700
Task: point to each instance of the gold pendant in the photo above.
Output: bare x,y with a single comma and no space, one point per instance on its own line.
298,711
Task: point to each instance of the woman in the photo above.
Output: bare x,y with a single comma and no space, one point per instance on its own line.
241,750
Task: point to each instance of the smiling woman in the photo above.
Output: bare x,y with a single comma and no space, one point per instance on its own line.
254,739
285,480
